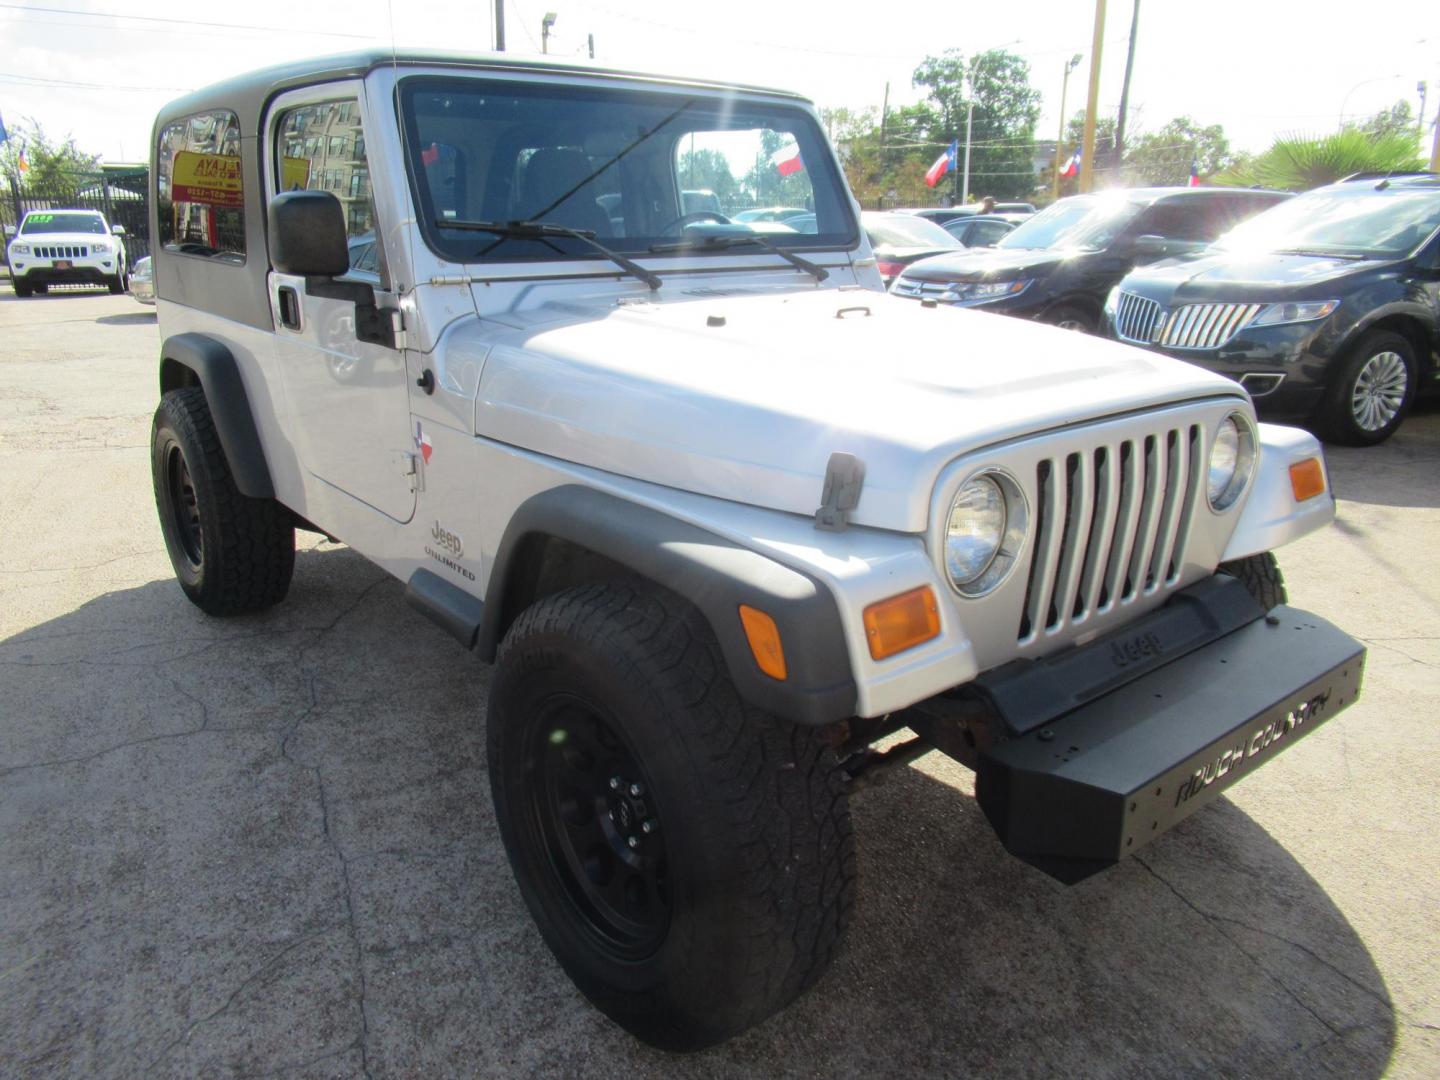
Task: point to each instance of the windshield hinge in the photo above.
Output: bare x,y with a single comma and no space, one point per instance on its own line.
844,478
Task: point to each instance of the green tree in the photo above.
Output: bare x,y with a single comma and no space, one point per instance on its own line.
1166,156
53,166
709,169
1297,163
1006,109
1399,119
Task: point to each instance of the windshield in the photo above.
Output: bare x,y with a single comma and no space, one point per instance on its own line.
63,222
904,231
1362,222
1083,221
639,169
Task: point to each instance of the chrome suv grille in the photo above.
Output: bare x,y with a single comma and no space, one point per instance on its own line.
1111,524
919,290
63,251
1138,318
1206,326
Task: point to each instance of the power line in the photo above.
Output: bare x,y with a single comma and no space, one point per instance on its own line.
182,22
39,81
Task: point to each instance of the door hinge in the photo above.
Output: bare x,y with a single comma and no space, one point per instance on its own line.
409,465
397,327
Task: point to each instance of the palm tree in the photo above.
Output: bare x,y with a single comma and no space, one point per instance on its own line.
1297,163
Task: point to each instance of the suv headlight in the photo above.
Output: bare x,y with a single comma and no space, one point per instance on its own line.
985,290
1305,311
1232,461
1112,302
984,532
102,246
19,249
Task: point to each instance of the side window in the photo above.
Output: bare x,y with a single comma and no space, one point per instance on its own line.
201,194
321,147
1183,219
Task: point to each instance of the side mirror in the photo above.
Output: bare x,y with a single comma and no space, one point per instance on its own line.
307,239
1150,247
117,230
307,234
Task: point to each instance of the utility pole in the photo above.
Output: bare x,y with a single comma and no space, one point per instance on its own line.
499,25
1070,65
1092,103
1435,151
1125,87
592,46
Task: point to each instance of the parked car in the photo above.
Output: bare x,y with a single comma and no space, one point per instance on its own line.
938,215
1326,308
1060,264
900,239
998,208
65,247
142,281
723,516
982,230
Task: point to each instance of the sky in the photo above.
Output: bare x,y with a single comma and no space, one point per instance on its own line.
98,70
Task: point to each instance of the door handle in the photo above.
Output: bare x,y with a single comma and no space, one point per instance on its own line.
289,308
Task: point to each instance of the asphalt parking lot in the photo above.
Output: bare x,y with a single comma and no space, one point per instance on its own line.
265,846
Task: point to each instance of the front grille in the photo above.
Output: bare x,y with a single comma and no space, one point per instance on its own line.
63,251
1111,525
919,290
1138,318
1206,326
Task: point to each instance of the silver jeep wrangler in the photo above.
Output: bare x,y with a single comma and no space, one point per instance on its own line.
724,516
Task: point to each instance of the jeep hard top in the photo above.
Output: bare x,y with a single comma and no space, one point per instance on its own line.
722,514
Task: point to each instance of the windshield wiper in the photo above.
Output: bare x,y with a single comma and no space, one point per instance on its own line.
541,230
819,273
1349,256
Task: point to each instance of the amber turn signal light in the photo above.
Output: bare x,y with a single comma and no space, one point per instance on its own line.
764,638
901,622
1307,479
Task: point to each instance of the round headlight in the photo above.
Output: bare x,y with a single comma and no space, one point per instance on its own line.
984,532
1232,461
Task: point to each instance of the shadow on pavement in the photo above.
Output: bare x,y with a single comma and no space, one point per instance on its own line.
133,318
267,843
1402,471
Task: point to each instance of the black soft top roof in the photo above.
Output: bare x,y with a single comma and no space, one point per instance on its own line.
246,94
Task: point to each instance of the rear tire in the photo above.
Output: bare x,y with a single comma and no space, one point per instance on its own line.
1370,393
232,554
1261,575
611,711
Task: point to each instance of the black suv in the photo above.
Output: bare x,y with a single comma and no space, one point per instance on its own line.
1326,308
1058,266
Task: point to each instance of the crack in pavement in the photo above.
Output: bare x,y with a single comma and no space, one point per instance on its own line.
78,569
1217,921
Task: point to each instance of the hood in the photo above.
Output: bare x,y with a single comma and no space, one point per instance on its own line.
989,264
1231,276
67,239
745,397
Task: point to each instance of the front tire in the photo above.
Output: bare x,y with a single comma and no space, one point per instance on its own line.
1070,317
117,283
1371,392
1261,575
22,289
232,554
687,858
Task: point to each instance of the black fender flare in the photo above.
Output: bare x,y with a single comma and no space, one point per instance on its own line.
195,359
714,574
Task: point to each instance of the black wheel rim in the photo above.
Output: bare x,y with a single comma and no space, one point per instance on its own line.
184,508
600,827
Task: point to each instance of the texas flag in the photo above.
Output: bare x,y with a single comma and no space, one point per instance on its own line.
422,442
1071,167
787,159
1194,173
943,164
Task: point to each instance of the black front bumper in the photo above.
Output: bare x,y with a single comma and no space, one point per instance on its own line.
1076,792
75,275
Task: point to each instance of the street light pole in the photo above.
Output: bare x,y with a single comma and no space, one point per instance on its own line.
1070,65
969,119
545,24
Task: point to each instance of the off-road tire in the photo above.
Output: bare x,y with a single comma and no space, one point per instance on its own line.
1336,421
22,288
232,554
1261,575
1070,317
758,859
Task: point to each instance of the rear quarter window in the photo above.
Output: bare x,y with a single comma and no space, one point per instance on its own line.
200,195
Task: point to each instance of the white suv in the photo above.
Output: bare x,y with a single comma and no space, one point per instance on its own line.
65,247
724,516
